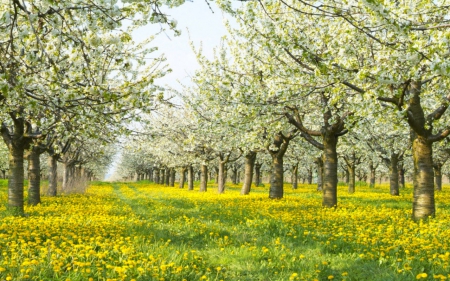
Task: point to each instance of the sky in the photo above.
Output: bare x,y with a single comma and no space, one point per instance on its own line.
197,22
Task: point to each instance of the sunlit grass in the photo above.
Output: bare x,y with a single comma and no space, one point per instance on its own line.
143,231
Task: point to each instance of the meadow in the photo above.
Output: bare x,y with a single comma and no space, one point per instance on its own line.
143,231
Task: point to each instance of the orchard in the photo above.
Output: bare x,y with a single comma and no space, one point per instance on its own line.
312,145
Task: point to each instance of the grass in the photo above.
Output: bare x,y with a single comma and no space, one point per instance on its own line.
143,231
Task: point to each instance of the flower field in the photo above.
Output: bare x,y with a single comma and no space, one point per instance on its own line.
142,231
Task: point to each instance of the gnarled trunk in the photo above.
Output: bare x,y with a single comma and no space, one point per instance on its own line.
15,181
438,176
351,178
373,170
182,177
401,175
150,175
423,202
68,175
172,177
248,168
204,178
52,175
34,177
310,175
347,176
281,144
190,178
330,166
319,163
295,176
157,176
167,177
221,177
393,170
234,171
276,178
162,176
258,174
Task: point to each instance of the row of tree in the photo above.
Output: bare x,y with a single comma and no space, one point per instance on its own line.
324,79
71,78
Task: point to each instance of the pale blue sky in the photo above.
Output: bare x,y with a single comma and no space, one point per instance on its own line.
205,27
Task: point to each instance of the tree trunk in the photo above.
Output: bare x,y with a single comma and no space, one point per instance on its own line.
423,202
52,175
401,175
67,173
281,143
15,182
276,178
438,177
351,178
157,176
172,177
393,170
151,175
319,162
250,159
216,180
204,178
34,177
330,167
258,174
190,178
310,176
182,177
162,176
295,176
221,177
167,177
234,175
373,170
225,174
347,176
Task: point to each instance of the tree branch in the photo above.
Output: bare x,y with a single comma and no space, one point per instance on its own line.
353,87
312,141
440,136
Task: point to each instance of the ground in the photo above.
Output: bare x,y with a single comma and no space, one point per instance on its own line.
143,231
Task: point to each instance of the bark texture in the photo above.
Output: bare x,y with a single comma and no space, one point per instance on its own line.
295,176
182,177
393,177
52,174
258,174
250,159
204,178
277,151
319,164
17,142
423,205
330,167
373,169
34,177
190,178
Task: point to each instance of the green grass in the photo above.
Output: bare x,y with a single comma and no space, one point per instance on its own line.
187,235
